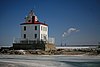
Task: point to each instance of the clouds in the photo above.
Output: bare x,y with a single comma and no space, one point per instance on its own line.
69,31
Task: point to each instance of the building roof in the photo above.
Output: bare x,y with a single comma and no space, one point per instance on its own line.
36,22
32,19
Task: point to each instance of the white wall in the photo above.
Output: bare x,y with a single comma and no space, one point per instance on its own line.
51,40
44,32
30,31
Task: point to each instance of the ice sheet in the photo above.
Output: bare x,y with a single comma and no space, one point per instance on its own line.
48,61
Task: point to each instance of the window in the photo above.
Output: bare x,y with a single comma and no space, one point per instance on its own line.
24,35
35,27
44,28
35,35
24,28
29,20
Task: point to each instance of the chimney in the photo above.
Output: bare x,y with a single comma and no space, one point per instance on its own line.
33,19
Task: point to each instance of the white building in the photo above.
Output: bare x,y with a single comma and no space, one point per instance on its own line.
34,35
32,29
51,40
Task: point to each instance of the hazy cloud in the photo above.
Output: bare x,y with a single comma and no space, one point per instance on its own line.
69,31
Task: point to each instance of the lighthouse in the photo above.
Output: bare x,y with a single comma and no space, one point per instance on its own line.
34,34
33,29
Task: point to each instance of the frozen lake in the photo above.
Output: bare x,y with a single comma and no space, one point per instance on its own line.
48,61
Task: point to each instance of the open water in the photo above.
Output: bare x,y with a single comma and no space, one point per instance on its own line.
49,61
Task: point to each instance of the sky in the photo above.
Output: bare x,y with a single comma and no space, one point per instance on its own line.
70,21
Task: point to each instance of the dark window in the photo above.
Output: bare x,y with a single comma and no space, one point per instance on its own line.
24,28
35,27
35,35
24,35
29,20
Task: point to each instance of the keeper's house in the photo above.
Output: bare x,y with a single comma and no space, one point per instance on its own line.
34,34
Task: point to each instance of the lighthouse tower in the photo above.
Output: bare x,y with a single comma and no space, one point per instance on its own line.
34,35
32,29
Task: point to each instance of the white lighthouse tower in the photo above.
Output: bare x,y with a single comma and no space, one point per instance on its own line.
34,35
33,30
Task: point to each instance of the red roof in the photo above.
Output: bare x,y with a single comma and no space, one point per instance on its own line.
36,22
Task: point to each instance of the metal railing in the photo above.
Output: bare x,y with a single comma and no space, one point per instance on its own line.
20,40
